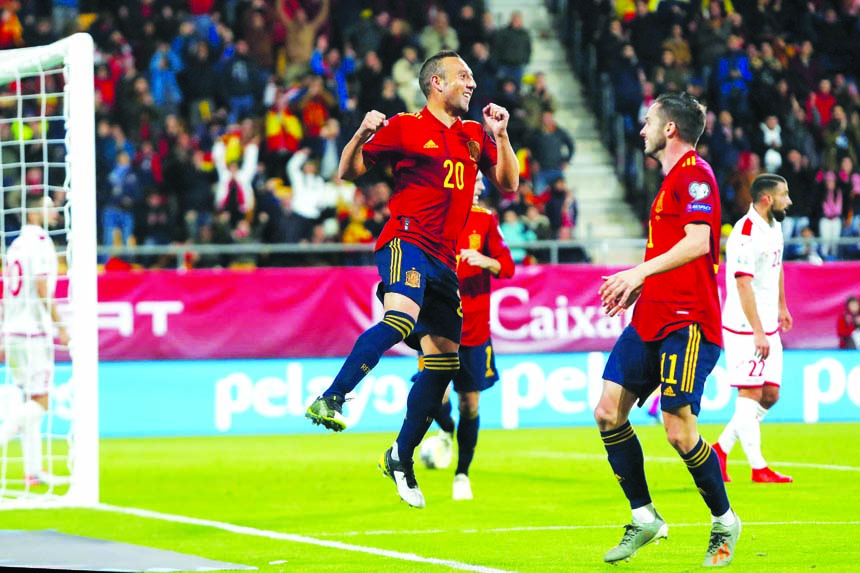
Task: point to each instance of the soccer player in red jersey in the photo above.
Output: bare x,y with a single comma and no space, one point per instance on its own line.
483,255
675,337
434,156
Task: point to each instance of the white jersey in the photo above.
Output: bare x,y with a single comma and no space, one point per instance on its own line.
30,257
754,249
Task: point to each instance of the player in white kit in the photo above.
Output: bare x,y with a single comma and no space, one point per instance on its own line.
29,316
754,314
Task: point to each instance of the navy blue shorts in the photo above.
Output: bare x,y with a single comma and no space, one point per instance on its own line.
406,269
679,364
477,368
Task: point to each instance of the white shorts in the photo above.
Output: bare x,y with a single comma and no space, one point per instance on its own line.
745,368
31,361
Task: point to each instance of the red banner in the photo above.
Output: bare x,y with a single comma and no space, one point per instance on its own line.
316,312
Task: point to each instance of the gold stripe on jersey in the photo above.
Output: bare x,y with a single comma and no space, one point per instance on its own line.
396,260
700,457
619,436
689,162
691,359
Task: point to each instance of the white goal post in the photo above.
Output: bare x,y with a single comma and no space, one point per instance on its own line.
47,146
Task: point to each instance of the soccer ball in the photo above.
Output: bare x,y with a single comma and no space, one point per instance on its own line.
436,452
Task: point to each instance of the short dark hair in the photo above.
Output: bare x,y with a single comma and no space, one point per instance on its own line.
432,66
685,112
764,183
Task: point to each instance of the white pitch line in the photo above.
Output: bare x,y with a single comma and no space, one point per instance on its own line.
660,459
243,530
566,528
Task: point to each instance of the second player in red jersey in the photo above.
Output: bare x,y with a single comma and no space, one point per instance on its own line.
480,236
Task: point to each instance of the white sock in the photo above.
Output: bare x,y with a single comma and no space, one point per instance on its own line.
644,514
11,425
31,438
729,436
749,431
395,455
727,519
761,412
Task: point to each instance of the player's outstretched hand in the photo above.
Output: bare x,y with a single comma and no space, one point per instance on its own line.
474,258
496,118
619,291
373,122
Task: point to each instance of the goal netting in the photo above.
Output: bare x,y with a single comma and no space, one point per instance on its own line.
47,149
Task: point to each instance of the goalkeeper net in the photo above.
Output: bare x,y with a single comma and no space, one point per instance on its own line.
47,163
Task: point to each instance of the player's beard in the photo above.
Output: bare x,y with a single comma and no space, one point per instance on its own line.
655,146
778,215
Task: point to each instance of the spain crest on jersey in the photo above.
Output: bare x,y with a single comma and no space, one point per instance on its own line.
475,241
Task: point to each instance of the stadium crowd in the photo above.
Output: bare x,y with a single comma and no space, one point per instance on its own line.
780,83
222,121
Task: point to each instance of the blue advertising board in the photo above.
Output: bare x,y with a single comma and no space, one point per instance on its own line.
221,397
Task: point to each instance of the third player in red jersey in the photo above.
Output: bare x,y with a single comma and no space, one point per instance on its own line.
686,294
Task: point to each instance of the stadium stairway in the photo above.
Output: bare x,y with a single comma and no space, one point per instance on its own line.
603,212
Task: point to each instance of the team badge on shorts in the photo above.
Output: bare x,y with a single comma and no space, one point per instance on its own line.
474,150
413,278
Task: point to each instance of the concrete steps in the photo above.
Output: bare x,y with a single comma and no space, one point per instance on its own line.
604,216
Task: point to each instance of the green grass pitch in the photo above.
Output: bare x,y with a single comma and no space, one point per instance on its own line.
545,501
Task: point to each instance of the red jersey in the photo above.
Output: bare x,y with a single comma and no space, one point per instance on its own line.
687,294
482,234
434,170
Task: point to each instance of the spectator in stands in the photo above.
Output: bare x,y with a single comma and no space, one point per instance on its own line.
311,197
485,71
804,71
405,74
337,70
11,31
537,223
468,28
733,77
680,48
669,75
257,23
438,35
234,193
516,233
852,228
242,84
848,325
163,70
552,149
512,48
749,167
537,100
800,180
369,77
367,33
300,34
832,41
819,106
395,39
646,35
840,138
388,102
627,80
767,142
118,212
830,206
315,106
560,208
